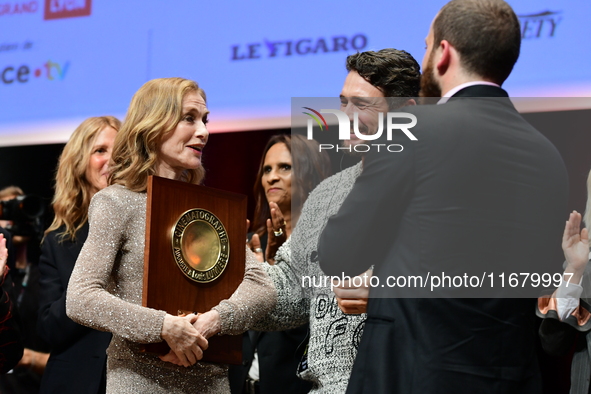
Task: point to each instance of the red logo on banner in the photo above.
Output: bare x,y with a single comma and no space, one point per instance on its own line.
57,9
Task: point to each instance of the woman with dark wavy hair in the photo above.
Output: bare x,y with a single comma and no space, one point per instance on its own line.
291,167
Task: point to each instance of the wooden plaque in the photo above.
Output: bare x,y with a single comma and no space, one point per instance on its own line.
166,286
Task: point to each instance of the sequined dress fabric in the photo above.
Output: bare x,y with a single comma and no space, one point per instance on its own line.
105,293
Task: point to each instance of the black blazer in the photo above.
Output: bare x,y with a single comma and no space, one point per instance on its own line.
78,354
279,355
480,187
560,338
11,344
11,251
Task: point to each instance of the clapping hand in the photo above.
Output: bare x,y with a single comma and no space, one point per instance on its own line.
276,236
255,245
575,244
276,232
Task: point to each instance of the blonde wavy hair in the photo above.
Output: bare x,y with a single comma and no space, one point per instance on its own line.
155,110
72,190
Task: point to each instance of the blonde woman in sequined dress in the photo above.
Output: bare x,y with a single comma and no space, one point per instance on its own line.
164,134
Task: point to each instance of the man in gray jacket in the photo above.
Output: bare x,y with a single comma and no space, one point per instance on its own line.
334,336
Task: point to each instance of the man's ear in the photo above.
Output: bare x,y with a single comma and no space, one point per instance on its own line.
410,102
444,60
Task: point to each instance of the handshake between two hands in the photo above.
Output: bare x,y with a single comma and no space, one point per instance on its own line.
187,336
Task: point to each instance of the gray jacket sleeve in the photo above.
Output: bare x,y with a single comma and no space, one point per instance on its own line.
293,305
254,298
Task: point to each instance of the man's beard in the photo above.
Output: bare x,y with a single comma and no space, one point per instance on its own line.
429,86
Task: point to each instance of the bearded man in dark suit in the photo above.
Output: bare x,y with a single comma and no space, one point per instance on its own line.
480,191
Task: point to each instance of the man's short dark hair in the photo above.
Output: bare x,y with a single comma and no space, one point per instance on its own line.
394,72
485,33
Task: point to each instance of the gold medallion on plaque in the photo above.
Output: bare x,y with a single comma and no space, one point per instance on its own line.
200,245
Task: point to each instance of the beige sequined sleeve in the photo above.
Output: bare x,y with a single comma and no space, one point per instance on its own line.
111,259
253,299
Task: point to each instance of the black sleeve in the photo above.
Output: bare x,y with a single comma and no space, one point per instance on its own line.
54,326
367,222
557,337
11,345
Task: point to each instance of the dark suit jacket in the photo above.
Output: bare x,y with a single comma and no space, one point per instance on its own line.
560,338
11,344
11,251
78,356
279,355
481,189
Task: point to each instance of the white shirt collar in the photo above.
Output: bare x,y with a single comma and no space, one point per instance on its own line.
453,91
